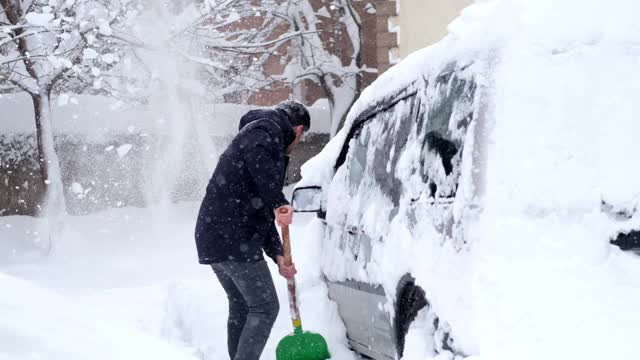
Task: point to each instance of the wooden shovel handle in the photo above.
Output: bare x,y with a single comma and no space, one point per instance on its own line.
286,246
291,283
286,242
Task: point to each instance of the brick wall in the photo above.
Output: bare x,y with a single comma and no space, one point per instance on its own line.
377,41
386,40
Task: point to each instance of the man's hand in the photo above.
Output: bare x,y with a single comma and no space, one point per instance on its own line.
287,272
284,215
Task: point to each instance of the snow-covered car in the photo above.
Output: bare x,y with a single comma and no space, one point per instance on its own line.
392,165
475,188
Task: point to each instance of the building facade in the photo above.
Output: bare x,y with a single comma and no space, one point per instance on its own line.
390,30
420,23
377,41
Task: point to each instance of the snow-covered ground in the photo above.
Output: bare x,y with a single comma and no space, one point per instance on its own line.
125,284
542,280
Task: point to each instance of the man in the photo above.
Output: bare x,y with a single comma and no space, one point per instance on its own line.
236,222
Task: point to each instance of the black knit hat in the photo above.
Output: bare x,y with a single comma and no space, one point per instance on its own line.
297,113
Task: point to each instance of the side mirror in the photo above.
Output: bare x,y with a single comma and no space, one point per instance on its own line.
307,199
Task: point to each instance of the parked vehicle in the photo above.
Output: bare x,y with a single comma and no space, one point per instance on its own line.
387,138
460,154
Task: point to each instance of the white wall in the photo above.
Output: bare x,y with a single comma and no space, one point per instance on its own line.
98,116
421,23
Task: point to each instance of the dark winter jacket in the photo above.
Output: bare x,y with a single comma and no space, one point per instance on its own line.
236,220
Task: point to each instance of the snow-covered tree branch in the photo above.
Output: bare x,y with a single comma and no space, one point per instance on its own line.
50,47
317,59
249,46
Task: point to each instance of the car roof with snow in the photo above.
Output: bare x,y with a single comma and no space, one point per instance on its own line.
530,72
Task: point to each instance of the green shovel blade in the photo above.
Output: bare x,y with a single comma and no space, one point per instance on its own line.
302,346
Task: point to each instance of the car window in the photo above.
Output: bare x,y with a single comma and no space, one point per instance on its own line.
358,157
376,146
448,112
365,191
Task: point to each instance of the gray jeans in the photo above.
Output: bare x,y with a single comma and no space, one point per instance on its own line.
253,306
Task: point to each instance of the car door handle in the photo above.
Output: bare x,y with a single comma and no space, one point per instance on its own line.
354,230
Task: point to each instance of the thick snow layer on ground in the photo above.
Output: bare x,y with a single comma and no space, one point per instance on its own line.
39,324
125,284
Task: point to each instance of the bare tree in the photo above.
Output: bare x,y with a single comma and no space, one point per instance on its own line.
248,46
318,57
48,47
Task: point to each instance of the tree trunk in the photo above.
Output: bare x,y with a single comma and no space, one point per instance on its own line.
53,203
341,117
340,101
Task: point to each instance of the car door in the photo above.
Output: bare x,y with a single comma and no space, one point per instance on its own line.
449,112
366,193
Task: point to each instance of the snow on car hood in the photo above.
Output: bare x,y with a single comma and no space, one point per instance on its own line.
564,129
563,119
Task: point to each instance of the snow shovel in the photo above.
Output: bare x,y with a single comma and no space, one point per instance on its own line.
301,345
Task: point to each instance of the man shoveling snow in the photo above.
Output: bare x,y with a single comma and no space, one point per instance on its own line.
236,222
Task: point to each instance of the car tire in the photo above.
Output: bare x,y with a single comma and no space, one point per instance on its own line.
410,299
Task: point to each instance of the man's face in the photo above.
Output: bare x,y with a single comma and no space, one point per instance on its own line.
299,130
